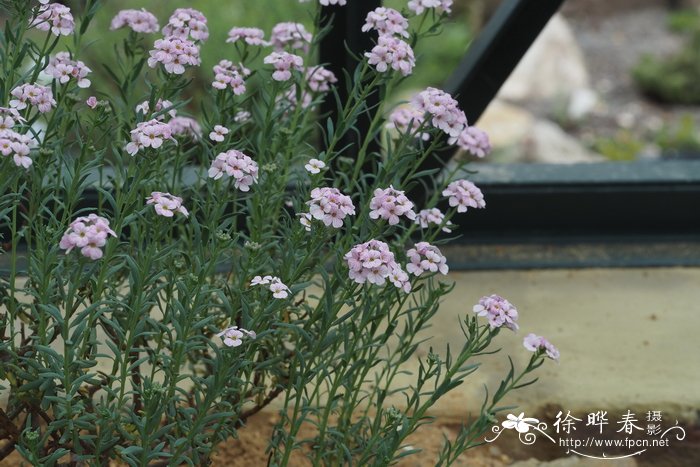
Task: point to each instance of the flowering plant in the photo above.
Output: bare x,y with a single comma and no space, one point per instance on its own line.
164,286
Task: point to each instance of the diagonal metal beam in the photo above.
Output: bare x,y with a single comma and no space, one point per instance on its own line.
496,52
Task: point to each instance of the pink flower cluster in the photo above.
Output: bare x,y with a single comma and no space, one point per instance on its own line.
427,258
251,36
387,22
499,312
278,289
185,126
330,206
293,35
433,216
89,234
235,164
33,94
148,134
56,18
166,205
320,79
140,21
175,54
535,343
233,336
62,68
464,194
374,262
443,109
284,63
226,74
15,145
162,104
187,23
474,141
407,119
419,6
9,117
390,204
393,53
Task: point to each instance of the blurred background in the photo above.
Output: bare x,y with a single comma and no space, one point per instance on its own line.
605,81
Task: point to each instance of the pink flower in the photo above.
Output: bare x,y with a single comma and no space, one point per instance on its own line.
330,206
499,312
251,36
185,126
432,216
407,119
283,62
320,79
535,343
293,35
233,336
237,165
166,205
187,23
393,53
389,204
219,133
241,116
464,194
374,262
149,134
278,289
419,6
305,220
443,109
175,54
387,22
474,141
63,69
56,18
89,234
229,75
289,100
140,21
9,117
314,166
425,257
33,94
162,104
400,279
91,102
15,145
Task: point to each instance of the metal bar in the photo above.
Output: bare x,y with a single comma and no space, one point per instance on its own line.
496,52
336,50
491,58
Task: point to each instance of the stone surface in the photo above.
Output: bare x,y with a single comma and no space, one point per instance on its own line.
518,136
547,142
554,66
628,339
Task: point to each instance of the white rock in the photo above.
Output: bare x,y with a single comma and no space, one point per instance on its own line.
553,67
548,143
506,124
581,103
518,136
